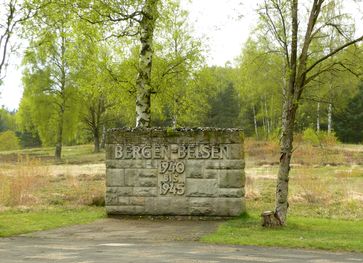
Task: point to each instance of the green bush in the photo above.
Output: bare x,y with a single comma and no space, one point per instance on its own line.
328,139
319,138
310,136
9,141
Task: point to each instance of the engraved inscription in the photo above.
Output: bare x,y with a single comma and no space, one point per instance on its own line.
172,179
172,166
184,151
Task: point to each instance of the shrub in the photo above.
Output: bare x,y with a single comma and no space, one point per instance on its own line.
310,136
9,141
328,139
321,138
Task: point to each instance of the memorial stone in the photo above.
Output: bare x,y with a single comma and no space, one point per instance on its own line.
181,172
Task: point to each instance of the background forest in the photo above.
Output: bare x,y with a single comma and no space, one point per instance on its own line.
81,66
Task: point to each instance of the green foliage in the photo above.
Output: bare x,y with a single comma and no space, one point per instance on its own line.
9,141
259,84
310,136
328,139
349,122
7,120
225,108
101,75
29,140
321,138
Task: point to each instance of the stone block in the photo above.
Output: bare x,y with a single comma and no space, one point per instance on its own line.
124,164
167,206
111,199
125,210
110,151
236,151
200,201
211,173
138,201
122,200
201,211
115,177
144,191
201,205
147,182
151,164
230,178
120,191
141,177
131,177
194,169
230,192
228,206
201,188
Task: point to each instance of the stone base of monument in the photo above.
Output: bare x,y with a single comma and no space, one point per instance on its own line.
175,172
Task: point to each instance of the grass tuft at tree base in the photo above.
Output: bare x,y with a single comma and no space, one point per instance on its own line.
17,222
300,232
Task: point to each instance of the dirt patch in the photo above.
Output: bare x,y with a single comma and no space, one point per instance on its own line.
79,170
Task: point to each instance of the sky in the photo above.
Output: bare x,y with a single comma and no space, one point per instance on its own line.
217,23
224,25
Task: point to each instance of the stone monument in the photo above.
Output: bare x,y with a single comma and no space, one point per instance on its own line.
181,172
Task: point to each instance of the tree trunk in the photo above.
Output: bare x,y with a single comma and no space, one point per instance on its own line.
62,105
330,124
318,118
267,119
287,124
255,121
175,121
282,189
263,120
59,142
96,140
103,140
143,81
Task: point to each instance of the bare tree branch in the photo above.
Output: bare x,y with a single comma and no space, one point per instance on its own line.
333,53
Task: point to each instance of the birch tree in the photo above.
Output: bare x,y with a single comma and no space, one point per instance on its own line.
50,54
143,81
130,18
293,35
12,14
177,59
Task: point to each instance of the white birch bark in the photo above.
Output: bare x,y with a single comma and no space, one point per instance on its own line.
255,121
143,81
62,104
330,123
318,118
267,118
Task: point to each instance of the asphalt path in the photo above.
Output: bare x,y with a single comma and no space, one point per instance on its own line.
145,240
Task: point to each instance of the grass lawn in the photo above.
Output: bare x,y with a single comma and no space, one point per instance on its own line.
16,222
301,232
77,154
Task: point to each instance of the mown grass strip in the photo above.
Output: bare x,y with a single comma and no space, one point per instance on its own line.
15,222
301,232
